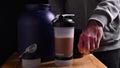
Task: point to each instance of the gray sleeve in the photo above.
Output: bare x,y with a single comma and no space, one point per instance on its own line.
106,11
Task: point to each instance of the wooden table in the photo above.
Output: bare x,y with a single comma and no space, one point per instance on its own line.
88,61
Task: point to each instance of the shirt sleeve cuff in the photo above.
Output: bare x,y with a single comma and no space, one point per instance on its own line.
100,18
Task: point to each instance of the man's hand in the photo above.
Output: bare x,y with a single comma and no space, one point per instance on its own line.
90,38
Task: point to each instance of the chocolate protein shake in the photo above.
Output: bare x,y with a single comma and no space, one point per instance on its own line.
64,38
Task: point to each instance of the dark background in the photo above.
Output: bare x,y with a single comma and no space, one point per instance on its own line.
9,12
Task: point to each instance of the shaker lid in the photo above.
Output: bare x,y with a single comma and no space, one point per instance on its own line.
63,20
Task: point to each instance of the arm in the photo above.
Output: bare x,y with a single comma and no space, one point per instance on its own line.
105,12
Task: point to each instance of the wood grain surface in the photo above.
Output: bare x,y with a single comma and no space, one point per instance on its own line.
87,61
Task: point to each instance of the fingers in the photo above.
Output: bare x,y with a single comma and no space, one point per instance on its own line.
92,44
99,36
88,43
84,44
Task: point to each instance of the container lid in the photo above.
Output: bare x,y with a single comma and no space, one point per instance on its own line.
63,20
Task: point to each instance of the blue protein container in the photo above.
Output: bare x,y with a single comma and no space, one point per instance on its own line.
35,27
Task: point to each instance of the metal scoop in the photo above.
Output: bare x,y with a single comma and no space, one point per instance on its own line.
30,49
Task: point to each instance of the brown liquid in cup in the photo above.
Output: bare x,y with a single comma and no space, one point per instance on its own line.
64,46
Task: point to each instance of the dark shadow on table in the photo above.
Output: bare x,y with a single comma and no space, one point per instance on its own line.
76,53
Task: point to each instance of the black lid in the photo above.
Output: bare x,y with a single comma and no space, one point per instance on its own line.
36,1
63,20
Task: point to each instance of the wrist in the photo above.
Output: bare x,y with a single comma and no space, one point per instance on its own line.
94,23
